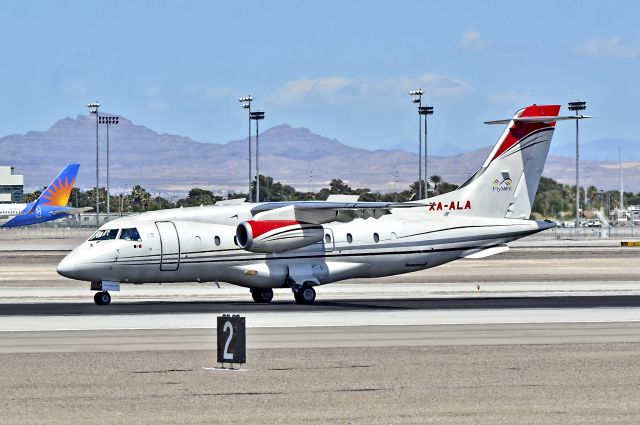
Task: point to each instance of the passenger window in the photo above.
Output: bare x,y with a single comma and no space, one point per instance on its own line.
376,237
130,235
349,238
216,240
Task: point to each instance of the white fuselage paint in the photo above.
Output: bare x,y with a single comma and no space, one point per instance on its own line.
10,211
180,246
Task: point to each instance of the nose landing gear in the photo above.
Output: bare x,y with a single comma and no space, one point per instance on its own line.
102,298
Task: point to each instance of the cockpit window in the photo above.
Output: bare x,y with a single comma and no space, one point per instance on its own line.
130,235
104,234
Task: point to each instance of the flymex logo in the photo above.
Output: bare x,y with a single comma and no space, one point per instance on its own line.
503,184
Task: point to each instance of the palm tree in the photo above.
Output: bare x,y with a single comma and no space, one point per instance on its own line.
436,179
140,197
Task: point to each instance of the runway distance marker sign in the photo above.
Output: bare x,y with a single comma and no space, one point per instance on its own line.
232,339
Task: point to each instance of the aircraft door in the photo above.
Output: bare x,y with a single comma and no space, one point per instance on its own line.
169,246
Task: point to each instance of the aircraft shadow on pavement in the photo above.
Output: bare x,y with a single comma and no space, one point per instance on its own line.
170,307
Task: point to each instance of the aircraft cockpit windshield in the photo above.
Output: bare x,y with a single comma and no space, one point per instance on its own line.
104,235
130,235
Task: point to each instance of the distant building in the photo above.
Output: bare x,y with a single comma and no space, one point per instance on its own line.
11,185
628,217
633,215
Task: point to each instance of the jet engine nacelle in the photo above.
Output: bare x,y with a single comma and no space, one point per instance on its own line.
269,236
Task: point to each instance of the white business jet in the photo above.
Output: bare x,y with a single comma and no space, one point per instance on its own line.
301,245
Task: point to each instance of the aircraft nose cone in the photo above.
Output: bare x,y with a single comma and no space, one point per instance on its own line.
68,267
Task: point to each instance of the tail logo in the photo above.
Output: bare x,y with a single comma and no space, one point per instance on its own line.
58,193
502,184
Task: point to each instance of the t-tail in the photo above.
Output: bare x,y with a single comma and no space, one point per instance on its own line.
59,191
507,183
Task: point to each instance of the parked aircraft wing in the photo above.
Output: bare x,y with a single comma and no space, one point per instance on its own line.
71,210
319,212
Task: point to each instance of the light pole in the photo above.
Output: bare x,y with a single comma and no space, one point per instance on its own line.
621,186
108,120
425,110
122,199
93,110
577,106
417,98
257,116
246,104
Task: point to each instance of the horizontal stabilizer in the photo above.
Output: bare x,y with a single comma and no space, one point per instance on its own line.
546,120
71,211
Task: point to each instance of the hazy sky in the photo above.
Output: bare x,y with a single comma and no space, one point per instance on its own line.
340,68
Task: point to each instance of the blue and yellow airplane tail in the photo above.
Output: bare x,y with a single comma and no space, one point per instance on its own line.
59,191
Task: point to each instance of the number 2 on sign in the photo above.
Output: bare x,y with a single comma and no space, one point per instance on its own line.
226,354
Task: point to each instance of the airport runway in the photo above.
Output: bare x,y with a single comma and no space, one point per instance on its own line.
553,336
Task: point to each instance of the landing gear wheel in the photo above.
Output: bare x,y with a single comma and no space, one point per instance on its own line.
262,295
102,298
305,295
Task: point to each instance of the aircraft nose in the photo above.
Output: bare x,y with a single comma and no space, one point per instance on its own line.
69,266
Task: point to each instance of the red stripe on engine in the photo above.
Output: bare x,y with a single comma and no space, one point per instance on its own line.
261,227
521,129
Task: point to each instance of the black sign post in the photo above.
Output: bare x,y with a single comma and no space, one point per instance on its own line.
232,339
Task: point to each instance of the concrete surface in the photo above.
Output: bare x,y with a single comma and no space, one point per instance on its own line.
501,384
553,337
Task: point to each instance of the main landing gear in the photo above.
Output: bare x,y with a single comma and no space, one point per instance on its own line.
305,295
102,298
262,295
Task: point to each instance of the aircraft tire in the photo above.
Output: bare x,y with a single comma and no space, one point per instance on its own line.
102,298
306,295
262,295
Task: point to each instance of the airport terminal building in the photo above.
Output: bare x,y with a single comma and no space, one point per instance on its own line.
11,185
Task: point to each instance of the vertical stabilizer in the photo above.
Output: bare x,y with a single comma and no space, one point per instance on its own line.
59,191
506,184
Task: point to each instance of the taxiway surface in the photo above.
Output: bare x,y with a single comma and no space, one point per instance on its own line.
552,336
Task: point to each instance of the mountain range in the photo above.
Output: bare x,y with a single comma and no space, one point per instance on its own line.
172,164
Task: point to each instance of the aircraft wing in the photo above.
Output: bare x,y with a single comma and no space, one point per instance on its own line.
484,252
319,212
71,210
